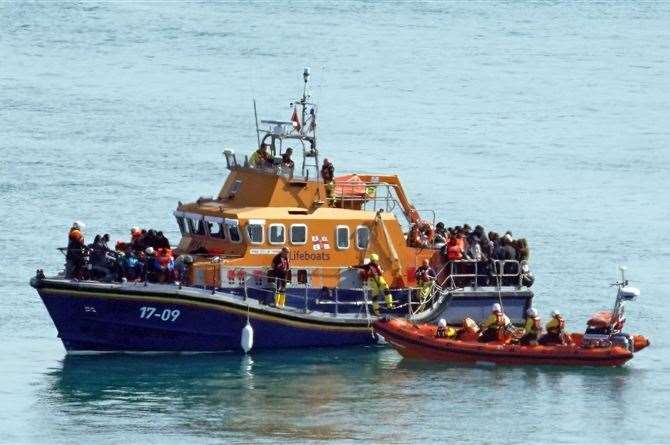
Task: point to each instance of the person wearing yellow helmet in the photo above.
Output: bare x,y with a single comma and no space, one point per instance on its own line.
374,274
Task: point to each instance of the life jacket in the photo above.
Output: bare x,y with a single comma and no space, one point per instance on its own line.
556,325
454,250
75,235
280,264
164,257
423,274
533,325
374,270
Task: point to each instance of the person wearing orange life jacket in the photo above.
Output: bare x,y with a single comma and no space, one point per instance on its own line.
556,334
374,274
494,325
531,329
166,263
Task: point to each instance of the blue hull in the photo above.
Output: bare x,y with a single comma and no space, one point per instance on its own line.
88,321
161,318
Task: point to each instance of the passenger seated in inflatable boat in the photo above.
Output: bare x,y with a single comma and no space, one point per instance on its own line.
556,334
532,328
495,326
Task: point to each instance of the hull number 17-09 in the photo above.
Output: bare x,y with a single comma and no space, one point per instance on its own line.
148,312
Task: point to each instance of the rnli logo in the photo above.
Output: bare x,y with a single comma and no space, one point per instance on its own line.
320,243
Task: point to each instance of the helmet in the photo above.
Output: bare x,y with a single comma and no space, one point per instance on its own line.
149,251
78,225
531,313
374,257
442,323
555,313
496,307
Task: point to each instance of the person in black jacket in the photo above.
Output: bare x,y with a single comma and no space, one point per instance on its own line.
280,271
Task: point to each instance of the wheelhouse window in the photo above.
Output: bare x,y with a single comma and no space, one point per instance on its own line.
233,230
342,237
277,234
182,225
255,232
362,237
298,234
215,227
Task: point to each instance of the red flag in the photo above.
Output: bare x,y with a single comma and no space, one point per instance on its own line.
295,120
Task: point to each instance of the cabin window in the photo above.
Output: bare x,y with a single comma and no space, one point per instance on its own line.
182,225
201,228
298,234
234,233
255,232
277,234
237,185
216,230
192,226
362,237
342,236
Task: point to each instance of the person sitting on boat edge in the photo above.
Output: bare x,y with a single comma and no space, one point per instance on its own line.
425,276
260,158
556,334
531,329
374,274
494,325
280,271
444,331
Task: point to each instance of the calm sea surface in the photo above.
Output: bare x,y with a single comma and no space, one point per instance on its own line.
550,119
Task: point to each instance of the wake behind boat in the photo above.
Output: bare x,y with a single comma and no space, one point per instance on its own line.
286,255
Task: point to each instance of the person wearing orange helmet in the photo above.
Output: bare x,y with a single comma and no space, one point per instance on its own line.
75,256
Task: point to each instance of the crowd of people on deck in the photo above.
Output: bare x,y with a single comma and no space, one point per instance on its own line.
498,328
466,246
146,256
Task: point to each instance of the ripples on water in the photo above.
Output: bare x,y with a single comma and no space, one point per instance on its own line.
547,118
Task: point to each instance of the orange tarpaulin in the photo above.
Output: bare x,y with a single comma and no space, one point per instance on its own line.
350,186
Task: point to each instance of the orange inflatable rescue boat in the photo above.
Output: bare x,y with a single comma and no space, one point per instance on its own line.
603,343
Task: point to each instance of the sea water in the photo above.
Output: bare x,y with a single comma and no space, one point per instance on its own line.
549,119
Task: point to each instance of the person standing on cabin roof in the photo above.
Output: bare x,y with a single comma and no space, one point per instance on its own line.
425,276
328,176
374,274
286,161
280,271
260,158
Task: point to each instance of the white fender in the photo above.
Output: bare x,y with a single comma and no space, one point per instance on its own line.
247,340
